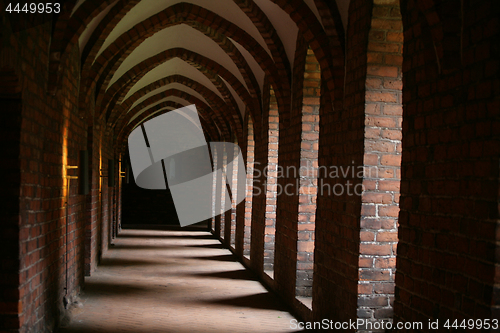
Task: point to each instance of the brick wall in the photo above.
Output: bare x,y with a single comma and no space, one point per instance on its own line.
308,175
297,181
222,185
270,186
448,235
103,194
91,227
341,145
244,209
228,215
248,202
381,182
261,136
234,192
215,225
288,201
61,234
447,264
51,135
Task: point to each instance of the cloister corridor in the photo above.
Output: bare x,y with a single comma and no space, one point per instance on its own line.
174,281
357,178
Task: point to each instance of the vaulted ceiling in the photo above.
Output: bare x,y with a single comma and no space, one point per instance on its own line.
143,57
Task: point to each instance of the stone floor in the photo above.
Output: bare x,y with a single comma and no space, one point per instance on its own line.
175,281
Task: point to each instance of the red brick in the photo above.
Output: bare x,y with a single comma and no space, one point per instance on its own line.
375,249
303,246
376,197
392,211
387,237
385,71
392,160
389,185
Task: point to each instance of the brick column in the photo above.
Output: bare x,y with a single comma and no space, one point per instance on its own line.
242,242
381,182
341,150
215,220
218,156
249,188
223,182
308,176
260,188
234,187
271,187
448,252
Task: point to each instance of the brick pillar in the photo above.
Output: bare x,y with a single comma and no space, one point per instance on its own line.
214,219
261,136
228,155
119,192
308,176
271,187
104,192
216,155
289,182
240,241
234,190
90,218
448,252
223,182
341,151
249,188
381,182
95,224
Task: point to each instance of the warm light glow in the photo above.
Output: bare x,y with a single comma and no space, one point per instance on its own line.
65,154
120,171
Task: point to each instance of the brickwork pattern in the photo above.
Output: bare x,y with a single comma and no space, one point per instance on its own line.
261,136
250,159
222,184
382,160
234,193
270,185
287,210
341,145
446,265
51,135
216,155
447,252
308,175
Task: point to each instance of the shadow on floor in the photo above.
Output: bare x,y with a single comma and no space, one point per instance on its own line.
264,301
108,289
120,262
144,247
209,246
175,284
224,257
167,227
233,275
172,236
